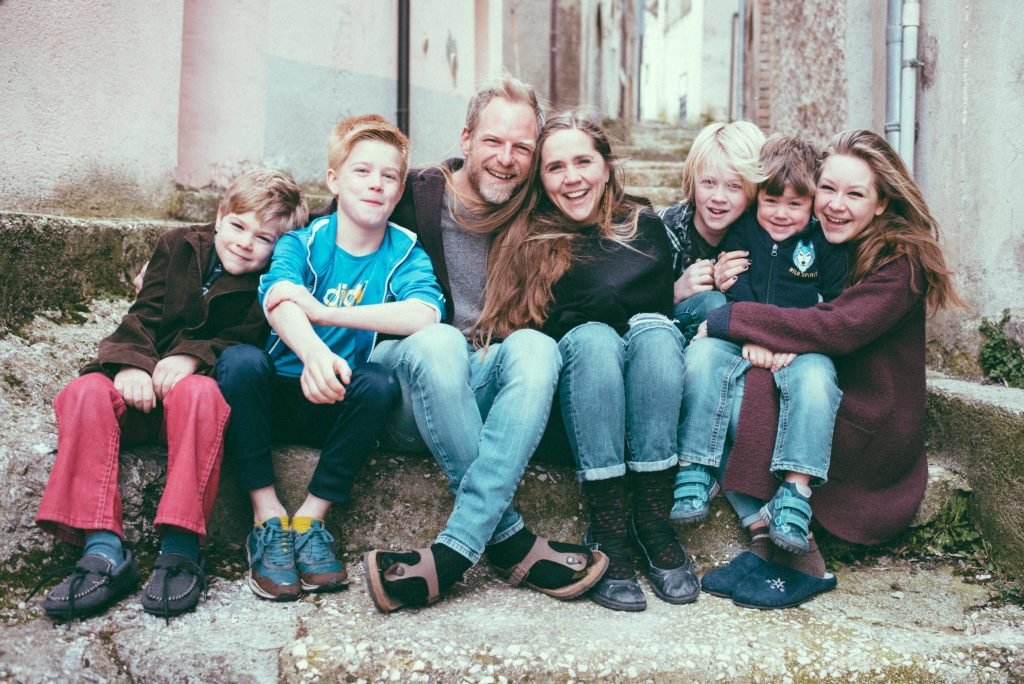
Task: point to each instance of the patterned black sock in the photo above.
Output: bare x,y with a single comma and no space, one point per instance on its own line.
545,573
608,524
450,565
812,564
652,501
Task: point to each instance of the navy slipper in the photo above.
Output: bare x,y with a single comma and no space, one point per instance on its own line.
776,586
722,581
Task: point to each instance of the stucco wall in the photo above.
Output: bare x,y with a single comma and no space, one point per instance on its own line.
970,155
89,111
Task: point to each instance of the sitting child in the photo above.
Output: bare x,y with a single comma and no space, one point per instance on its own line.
791,265
332,287
151,380
720,180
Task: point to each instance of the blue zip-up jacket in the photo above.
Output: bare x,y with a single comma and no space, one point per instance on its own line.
304,256
800,271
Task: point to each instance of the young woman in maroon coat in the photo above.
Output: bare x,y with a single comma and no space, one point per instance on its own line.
875,333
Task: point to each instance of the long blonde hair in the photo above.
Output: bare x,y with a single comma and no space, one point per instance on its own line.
905,228
535,249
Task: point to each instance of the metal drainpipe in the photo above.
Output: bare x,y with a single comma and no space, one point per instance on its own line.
893,58
908,86
741,58
402,112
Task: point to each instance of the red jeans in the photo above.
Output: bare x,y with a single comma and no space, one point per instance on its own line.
93,421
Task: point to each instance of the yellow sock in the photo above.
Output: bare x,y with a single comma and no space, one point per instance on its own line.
301,523
284,522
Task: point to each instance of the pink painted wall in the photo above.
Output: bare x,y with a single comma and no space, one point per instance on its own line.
89,111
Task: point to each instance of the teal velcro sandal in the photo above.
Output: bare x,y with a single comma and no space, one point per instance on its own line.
695,487
788,515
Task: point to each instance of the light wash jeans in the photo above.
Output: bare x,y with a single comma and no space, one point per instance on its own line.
809,397
691,312
480,414
618,392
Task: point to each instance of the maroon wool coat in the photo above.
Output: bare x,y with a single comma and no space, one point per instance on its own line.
875,333
171,315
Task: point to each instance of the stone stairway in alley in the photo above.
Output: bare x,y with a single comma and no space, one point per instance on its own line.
892,618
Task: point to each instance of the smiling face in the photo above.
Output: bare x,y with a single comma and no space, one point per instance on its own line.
783,215
498,152
574,174
846,200
719,200
368,184
243,242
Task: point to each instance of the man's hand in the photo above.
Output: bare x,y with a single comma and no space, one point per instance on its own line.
697,278
324,376
301,297
170,370
136,388
728,268
758,356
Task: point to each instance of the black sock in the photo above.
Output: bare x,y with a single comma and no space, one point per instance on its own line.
450,565
543,574
608,525
652,501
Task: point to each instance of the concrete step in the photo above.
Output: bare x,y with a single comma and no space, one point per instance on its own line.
892,623
667,174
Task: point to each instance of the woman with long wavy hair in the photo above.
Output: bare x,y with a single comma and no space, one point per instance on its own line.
592,267
875,333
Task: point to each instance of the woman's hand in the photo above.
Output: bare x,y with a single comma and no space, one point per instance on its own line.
170,370
136,388
702,330
697,278
758,356
728,268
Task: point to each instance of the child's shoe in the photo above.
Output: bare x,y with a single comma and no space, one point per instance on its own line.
175,585
319,568
695,487
93,585
271,551
788,515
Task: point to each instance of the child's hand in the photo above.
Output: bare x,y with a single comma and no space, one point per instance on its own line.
781,359
298,295
728,268
324,376
139,278
170,370
697,278
136,388
758,356
702,330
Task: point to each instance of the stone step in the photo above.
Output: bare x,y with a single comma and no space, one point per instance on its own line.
667,174
660,197
892,623
200,206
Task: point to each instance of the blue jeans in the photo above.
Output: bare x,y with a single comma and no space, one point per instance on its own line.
621,391
481,414
691,312
809,397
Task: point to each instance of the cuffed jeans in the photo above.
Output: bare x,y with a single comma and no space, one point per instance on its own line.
93,422
618,392
692,311
268,408
809,398
481,414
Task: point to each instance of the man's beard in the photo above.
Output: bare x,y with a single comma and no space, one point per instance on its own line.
488,188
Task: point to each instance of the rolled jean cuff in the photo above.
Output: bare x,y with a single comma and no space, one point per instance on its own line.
605,473
652,466
502,535
459,548
747,507
699,460
818,477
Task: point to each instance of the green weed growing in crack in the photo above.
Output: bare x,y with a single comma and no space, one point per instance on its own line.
1000,358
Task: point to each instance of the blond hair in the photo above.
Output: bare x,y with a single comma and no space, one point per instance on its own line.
273,196
355,129
906,228
725,147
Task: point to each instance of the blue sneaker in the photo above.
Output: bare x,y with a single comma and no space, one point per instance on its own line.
319,568
695,487
272,573
788,515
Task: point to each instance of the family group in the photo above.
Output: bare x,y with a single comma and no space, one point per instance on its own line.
765,337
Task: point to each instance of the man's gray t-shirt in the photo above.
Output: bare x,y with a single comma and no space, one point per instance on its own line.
465,255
